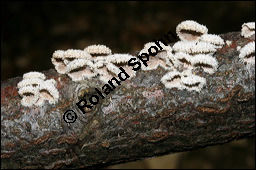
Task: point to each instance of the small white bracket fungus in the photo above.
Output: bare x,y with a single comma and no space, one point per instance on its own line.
167,57
35,82
48,92
29,94
107,72
193,47
172,80
163,57
74,54
61,59
213,39
183,60
120,60
80,69
247,53
190,30
71,55
248,29
155,62
185,80
193,82
98,50
33,74
34,90
58,61
110,67
207,62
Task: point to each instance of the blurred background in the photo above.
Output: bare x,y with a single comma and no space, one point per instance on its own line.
32,31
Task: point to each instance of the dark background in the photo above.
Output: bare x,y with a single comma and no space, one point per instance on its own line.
32,31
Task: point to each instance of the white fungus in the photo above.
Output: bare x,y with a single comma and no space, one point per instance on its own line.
248,29
247,53
107,71
48,92
29,94
98,50
33,74
213,39
58,54
193,47
190,30
61,59
183,80
163,57
193,82
183,60
172,80
30,82
71,53
207,62
120,60
80,69
34,90
58,61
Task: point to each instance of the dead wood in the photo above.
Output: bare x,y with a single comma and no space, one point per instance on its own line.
139,119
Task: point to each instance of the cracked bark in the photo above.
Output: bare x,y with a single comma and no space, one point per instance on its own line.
139,119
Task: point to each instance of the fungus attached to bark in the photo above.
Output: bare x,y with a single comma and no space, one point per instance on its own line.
33,74
34,90
190,30
98,50
58,61
106,72
162,57
80,69
120,60
48,92
61,59
35,82
194,48
29,94
172,80
207,62
247,53
213,39
248,29
193,82
183,60
183,80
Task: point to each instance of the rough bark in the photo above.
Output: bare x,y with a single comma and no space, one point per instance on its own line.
139,119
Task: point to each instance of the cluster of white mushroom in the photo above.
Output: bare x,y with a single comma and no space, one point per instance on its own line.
248,29
247,53
195,49
93,61
34,90
163,58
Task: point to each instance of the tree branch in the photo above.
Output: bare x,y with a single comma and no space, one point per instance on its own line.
139,119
